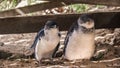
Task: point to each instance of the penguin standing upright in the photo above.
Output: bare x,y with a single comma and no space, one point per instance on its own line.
46,41
79,42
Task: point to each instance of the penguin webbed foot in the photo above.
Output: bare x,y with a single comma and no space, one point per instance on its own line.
1,43
40,62
45,61
29,52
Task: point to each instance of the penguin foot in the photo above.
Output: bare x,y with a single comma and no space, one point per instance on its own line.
1,43
44,62
77,60
39,63
29,52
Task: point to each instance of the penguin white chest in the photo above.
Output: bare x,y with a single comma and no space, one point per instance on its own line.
80,46
45,48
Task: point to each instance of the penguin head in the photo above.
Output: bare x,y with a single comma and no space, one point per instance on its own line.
85,21
50,25
51,28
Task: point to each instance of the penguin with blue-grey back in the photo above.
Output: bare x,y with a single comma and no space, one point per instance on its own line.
79,42
46,42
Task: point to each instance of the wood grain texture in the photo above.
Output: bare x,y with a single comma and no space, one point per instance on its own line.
100,2
29,9
53,4
28,24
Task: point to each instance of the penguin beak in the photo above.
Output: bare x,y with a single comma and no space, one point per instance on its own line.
89,24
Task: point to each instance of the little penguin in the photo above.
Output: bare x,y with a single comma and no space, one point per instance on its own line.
79,41
46,41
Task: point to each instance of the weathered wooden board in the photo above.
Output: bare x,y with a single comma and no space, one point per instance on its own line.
29,9
53,4
100,2
34,23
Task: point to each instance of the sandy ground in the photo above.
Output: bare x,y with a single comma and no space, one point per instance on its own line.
108,52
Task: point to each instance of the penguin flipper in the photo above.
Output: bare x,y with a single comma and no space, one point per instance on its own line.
38,38
55,50
66,42
69,33
31,50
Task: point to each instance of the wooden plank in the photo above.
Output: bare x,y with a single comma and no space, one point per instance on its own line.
53,4
34,23
29,9
96,2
